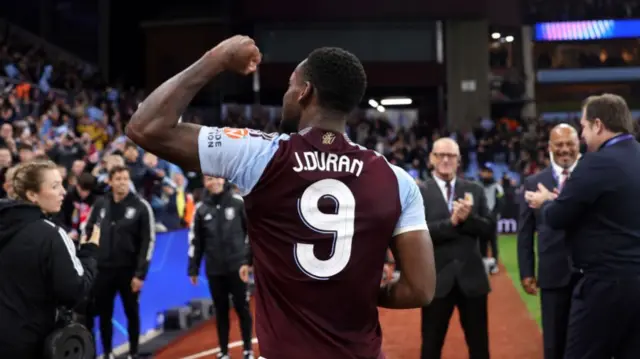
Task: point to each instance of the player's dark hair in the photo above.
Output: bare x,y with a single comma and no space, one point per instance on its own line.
117,169
612,110
338,78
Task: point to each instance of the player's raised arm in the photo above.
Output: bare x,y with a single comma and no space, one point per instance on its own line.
413,248
154,126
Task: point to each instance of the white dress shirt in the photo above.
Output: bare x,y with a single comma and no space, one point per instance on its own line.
557,171
442,184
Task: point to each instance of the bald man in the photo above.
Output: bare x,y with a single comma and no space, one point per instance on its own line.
554,279
458,217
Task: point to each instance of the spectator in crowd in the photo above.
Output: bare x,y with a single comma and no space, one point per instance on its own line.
494,193
77,205
178,205
6,161
67,151
7,186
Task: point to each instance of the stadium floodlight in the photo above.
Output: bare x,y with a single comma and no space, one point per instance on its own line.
496,35
380,108
373,103
397,101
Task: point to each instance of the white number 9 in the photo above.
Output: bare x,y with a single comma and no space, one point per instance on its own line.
340,225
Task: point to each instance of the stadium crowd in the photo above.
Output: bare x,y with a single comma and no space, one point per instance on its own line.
57,110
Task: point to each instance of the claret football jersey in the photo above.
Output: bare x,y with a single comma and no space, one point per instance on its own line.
321,212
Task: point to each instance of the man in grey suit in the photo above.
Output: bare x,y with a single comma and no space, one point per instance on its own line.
458,216
554,269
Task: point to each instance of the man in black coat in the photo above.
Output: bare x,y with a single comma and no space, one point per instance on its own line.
554,277
458,217
597,207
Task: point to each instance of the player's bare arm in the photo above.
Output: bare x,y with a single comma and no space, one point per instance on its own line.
417,284
154,126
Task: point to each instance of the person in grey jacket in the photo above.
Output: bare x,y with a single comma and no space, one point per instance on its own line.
219,235
494,193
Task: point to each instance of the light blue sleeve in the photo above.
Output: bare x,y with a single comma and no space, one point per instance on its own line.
238,154
412,217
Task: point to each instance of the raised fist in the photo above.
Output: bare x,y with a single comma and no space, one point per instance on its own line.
239,54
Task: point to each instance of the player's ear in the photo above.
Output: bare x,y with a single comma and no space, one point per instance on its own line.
306,93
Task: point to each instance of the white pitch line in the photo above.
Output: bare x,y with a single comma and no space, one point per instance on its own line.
213,351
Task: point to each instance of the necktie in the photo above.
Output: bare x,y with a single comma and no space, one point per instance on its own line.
563,178
447,186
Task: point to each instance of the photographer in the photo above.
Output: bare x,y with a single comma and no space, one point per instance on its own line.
39,269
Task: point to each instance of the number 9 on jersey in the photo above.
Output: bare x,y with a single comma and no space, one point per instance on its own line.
340,225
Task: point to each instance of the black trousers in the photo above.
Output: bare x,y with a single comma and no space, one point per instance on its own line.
221,286
109,282
473,317
490,240
555,304
604,319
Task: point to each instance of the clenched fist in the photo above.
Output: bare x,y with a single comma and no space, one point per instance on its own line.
239,54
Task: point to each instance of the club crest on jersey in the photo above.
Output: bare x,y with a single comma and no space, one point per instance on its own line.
129,212
229,213
328,138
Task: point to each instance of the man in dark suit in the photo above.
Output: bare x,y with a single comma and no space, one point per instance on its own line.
597,208
554,268
458,216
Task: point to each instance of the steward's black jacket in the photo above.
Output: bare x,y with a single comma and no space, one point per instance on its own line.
127,233
40,271
219,234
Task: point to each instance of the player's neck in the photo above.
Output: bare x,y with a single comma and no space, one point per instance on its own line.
325,121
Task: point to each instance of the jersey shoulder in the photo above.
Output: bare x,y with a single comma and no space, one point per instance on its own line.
412,217
404,180
238,154
412,213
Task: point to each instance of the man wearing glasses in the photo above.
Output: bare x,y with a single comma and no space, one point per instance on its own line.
458,217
